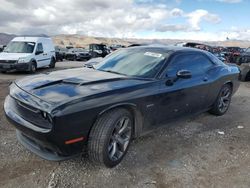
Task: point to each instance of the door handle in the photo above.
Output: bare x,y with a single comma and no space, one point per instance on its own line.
44,54
205,79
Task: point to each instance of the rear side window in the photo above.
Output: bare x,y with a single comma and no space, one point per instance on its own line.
214,59
195,63
39,47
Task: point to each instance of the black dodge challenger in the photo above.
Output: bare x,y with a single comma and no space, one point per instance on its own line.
102,108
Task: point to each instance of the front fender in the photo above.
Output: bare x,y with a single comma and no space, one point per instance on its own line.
138,117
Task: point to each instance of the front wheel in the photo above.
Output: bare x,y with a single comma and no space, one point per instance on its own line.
223,101
110,137
32,68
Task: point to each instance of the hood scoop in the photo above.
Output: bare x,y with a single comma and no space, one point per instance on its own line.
55,83
77,82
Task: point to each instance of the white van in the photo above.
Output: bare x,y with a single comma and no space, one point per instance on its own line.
28,54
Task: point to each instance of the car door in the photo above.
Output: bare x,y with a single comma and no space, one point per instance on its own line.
180,97
41,56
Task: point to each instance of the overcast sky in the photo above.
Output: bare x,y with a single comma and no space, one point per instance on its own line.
175,19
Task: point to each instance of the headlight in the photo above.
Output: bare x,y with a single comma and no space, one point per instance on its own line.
14,89
22,60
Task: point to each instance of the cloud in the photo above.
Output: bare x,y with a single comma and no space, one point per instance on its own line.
195,17
172,27
109,18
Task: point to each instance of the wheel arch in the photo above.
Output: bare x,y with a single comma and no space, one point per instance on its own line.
136,113
229,82
53,57
33,60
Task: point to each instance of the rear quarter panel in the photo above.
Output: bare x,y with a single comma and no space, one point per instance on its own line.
220,75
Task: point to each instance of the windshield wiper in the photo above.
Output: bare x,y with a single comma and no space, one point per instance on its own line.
115,72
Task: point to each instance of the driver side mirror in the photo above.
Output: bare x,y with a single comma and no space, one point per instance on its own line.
184,74
38,52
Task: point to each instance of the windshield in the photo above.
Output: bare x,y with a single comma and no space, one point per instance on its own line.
248,50
20,47
139,62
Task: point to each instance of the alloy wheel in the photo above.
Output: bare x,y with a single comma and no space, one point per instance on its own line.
224,100
120,139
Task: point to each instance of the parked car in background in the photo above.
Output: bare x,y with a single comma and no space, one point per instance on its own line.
115,47
244,63
28,54
103,107
93,62
77,54
233,54
60,53
235,50
2,47
98,50
135,45
221,56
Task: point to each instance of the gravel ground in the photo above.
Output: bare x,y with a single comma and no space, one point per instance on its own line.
188,153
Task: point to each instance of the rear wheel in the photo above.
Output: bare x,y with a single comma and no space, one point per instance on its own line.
110,137
247,77
52,63
223,101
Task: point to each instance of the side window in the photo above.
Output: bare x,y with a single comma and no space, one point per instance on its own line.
195,63
39,47
214,58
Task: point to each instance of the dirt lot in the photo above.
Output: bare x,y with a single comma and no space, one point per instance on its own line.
189,153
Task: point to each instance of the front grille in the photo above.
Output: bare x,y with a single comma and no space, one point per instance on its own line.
8,61
70,55
30,114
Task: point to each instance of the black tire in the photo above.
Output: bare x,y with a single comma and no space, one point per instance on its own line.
3,72
104,146
95,55
223,101
32,68
52,63
247,78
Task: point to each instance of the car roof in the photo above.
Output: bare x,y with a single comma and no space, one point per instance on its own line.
30,39
170,48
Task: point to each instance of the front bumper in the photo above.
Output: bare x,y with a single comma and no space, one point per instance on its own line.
46,143
14,66
83,57
39,149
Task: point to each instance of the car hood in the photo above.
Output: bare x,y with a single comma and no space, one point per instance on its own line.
63,86
13,56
